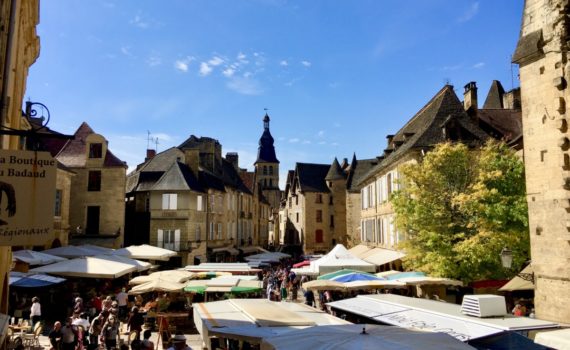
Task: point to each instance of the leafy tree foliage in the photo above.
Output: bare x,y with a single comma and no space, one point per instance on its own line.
460,207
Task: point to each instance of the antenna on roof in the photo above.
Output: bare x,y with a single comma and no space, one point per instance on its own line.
156,144
446,81
148,139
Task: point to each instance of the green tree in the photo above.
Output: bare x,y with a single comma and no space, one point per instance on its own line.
460,207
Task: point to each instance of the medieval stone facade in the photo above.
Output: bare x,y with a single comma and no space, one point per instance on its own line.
443,118
192,200
542,55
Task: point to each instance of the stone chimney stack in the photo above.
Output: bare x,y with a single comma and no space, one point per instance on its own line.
192,159
470,97
389,139
150,153
233,158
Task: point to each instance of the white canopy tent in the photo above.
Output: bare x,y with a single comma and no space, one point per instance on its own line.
31,257
518,283
559,339
140,265
96,248
268,257
433,315
146,252
376,255
176,276
361,336
89,267
234,268
157,285
337,259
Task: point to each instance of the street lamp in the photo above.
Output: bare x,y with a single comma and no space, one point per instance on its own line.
506,258
507,262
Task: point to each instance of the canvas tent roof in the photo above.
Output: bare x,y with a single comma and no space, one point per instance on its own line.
228,267
71,252
429,314
559,339
252,319
518,283
19,279
176,276
36,258
338,258
157,285
89,267
146,252
361,336
376,255
140,265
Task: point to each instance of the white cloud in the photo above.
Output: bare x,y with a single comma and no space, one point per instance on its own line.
247,74
229,72
334,85
452,68
306,63
138,21
241,56
245,86
321,133
153,60
471,12
336,124
205,69
306,142
322,143
479,65
126,50
162,136
183,64
215,61
284,63
334,143
294,140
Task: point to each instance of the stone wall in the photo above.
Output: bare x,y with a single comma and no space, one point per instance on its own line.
542,54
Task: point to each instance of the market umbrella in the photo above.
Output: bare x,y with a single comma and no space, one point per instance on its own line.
324,285
301,264
36,258
426,280
380,284
356,276
361,336
397,276
98,249
227,285
89,267
24,280
146,252
71,252
157,285
140,265
210,274
177,276
332,275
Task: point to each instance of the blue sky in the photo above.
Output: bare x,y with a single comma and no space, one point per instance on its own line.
337,76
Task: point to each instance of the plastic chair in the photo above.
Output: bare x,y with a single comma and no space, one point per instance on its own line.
33,339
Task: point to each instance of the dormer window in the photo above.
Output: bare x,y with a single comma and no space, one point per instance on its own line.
95,150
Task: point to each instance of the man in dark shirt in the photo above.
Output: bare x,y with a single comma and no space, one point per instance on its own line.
55,336
309,297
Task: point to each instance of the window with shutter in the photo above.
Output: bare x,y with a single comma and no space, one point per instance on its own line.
159,238
199,203
169,201
177,240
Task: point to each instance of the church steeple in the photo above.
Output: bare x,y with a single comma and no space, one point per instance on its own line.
266,150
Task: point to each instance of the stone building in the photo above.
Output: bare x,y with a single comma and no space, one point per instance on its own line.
96,195
443,118
313,212
192,200
542,56
19,48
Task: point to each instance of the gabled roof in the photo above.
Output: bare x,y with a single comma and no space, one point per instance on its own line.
311,177
163,160
178,178
358,168
335,172
74,153
508,122
425,129
494,98
232,178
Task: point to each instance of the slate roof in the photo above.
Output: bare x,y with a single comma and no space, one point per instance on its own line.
163,160
178,178
424,130
494,98
508,122
74,153
311,177
335,172
266,150
358,169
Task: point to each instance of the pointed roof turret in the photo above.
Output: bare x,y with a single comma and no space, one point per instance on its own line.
335,172
494,98
266,150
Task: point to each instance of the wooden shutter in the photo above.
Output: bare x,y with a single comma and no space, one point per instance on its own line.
177,240
159,238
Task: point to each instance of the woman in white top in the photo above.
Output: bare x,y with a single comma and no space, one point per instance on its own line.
35,310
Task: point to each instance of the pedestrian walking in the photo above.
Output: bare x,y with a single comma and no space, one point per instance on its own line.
35,310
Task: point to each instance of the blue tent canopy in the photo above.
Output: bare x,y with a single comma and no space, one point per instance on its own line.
34,281
505,341
405,274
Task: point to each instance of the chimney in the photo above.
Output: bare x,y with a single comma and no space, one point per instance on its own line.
150,153
192,159
470,97
233,158
389,138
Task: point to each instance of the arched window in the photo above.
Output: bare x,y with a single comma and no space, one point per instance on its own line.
271,170
265,170
270,182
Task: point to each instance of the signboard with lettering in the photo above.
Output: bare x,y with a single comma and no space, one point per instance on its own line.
27,197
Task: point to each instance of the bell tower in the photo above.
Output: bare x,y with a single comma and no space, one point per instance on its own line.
267,167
